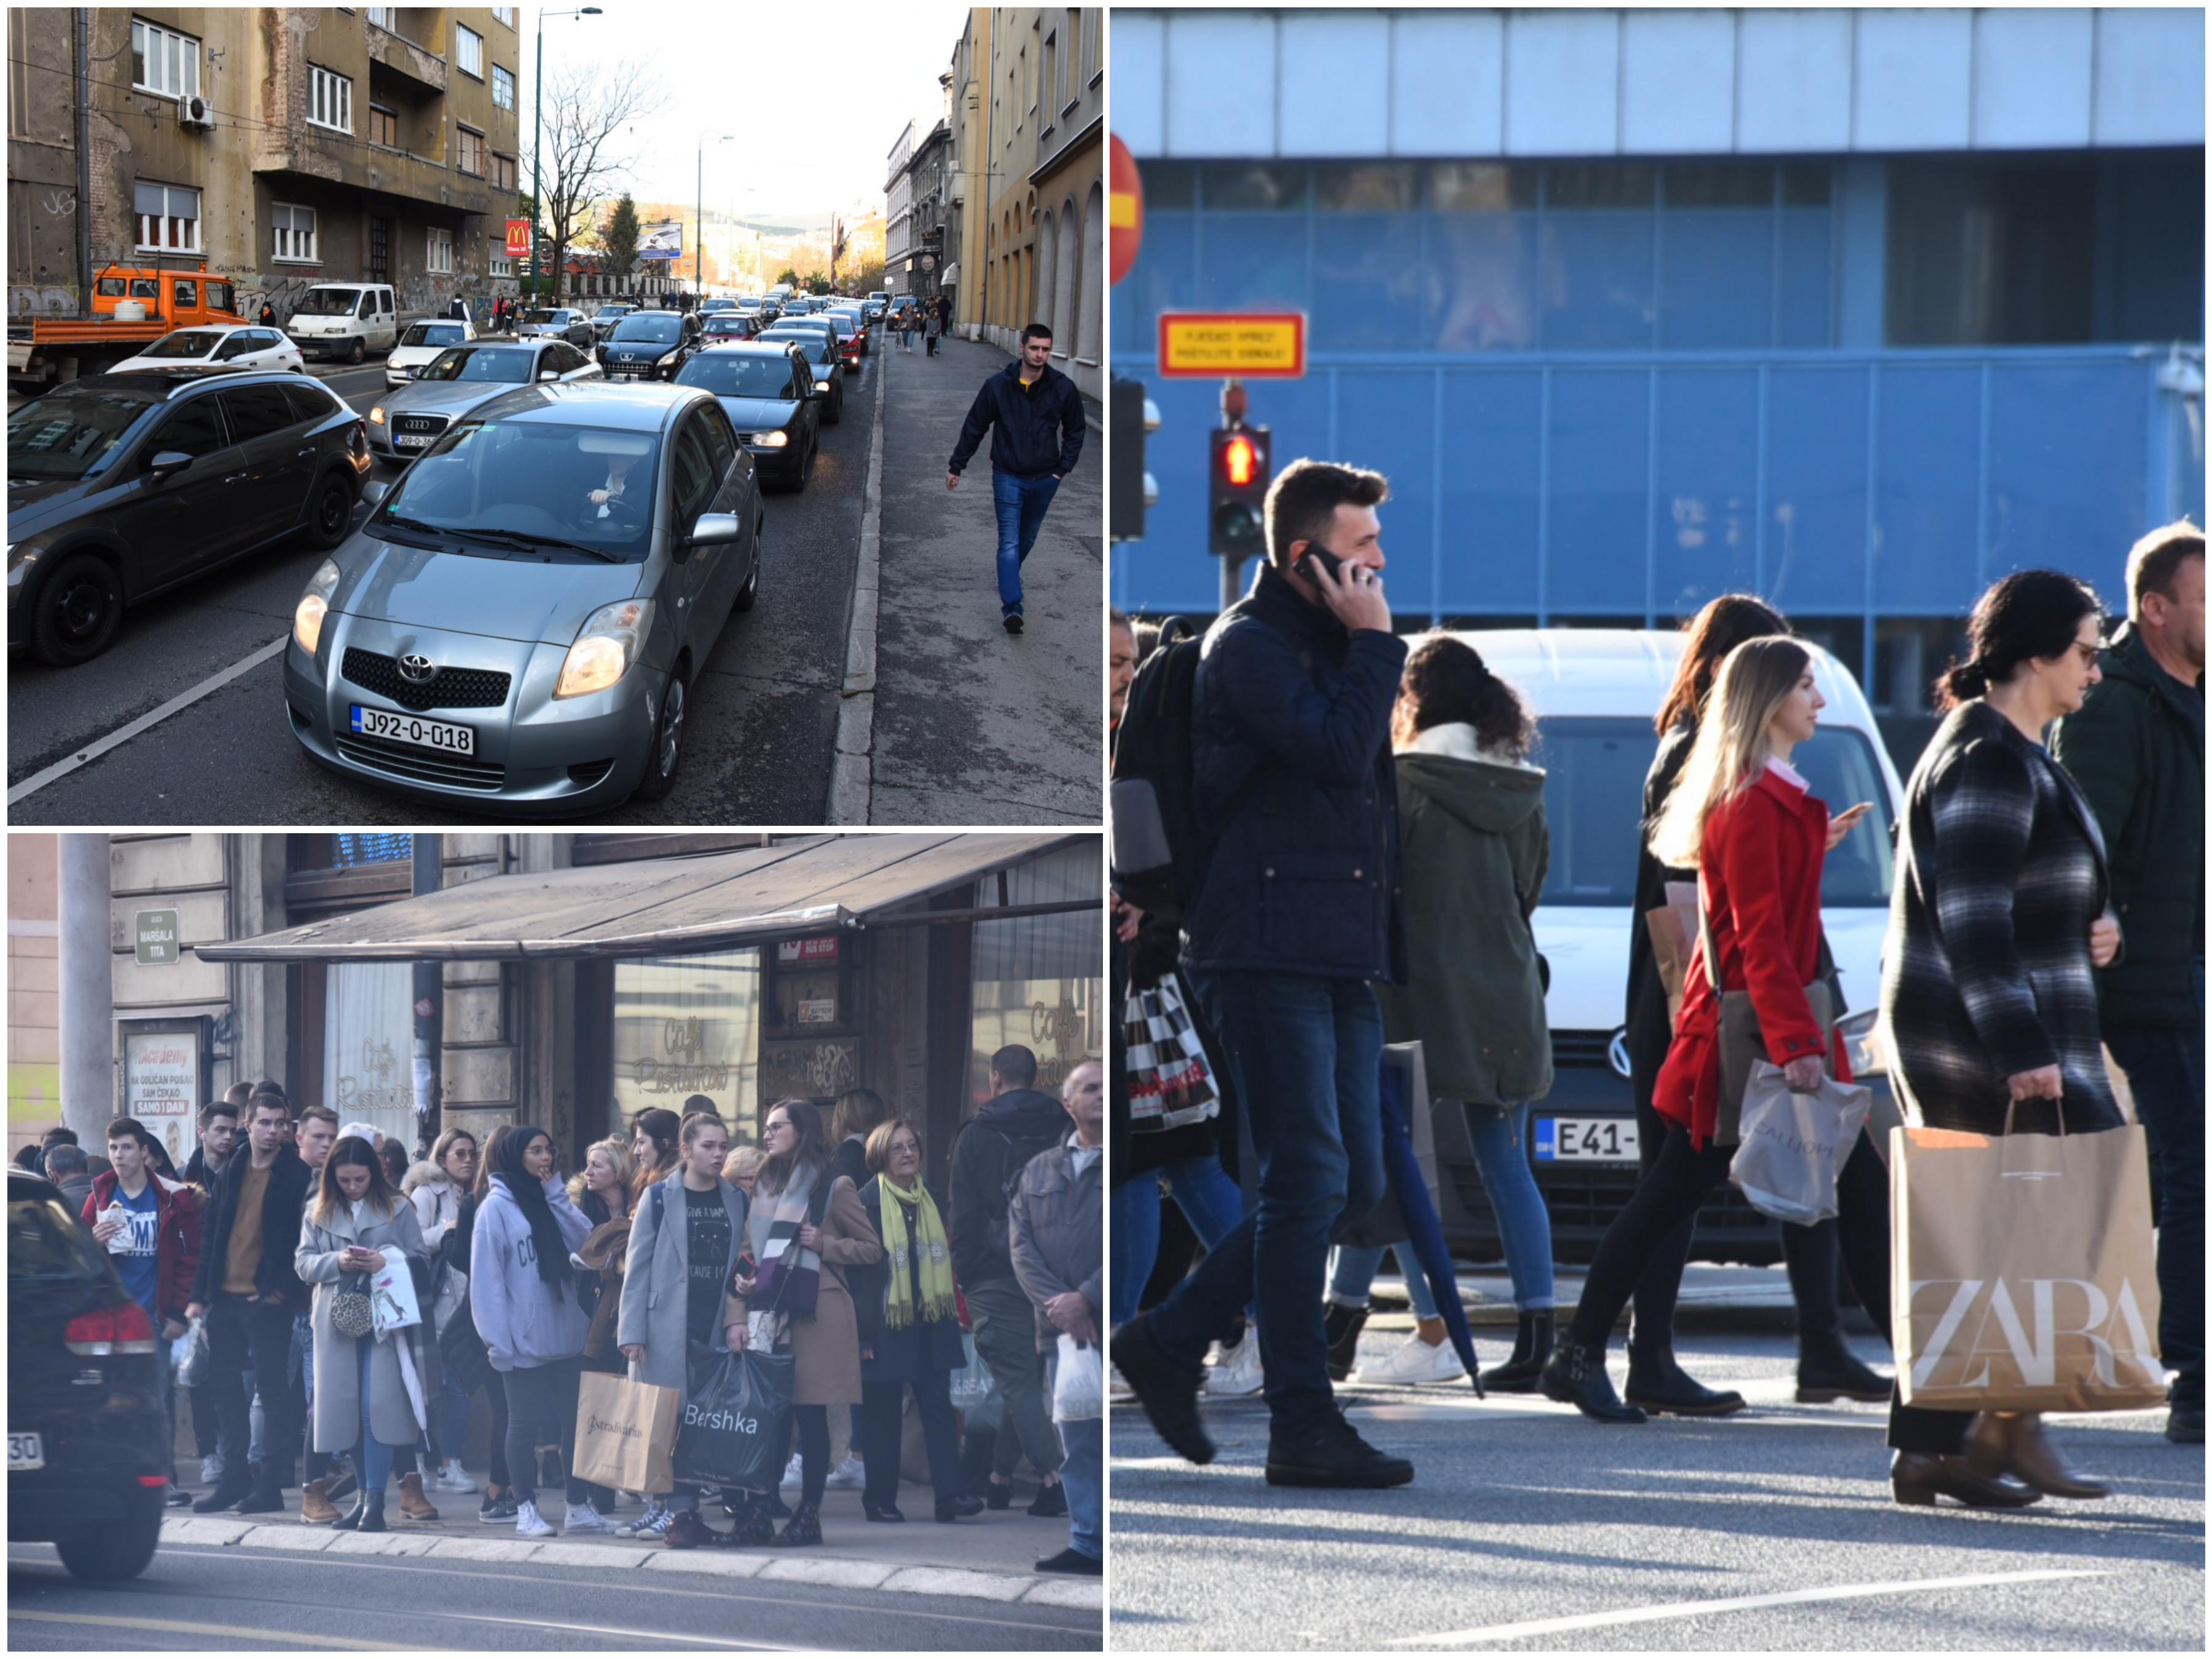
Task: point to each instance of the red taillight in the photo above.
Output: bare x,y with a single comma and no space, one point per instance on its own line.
122,1329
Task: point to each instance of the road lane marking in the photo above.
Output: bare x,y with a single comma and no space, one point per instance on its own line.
1732,1604
281,1638
122,734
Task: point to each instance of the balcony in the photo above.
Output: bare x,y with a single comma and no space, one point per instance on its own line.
402,57
313,153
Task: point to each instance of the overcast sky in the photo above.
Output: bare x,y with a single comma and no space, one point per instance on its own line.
722,71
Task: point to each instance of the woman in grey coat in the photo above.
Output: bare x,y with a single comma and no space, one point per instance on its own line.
666,1305
357,1225
1988,996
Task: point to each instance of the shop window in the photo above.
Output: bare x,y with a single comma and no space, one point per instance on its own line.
1037,979
1990,254
685,1026
1229,185
368,1045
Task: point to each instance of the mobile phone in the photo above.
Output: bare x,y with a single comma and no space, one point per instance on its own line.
1316,554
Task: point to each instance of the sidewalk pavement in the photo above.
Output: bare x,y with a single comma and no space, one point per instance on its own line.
972,725
1715,1295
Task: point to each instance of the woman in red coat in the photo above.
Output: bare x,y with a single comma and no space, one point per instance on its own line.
1756,838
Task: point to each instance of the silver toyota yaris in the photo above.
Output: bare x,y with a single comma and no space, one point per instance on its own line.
517,623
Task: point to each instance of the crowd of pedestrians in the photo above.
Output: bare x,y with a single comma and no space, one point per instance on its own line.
1350,847
289,1242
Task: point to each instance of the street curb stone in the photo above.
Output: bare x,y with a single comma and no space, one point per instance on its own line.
715,1562
954,1580
850,787
1076,1593
840,1575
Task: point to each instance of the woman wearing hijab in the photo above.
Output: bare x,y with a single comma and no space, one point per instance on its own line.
909,1328
524,1293
807,1227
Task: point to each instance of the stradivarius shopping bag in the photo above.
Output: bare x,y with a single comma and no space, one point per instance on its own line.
2022,1275
625,1430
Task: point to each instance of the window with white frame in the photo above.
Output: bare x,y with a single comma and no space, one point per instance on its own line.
468,50
330,100
381,17
504,13
295,232
168,216
501,265
162,60
440,258
471,150
502,86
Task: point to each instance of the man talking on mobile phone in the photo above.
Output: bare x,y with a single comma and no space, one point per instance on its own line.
1036,415
1296,908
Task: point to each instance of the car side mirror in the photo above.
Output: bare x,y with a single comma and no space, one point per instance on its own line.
549,374
373,493
170,462
712,529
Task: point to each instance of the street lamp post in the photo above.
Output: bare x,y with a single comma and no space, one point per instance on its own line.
538,146
699,219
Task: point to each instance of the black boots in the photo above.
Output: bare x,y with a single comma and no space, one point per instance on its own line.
267,1496
1050,1502
1532,1346
1836,1373
804,1527
1332,1454
228,1491
372,1519
1659,1385
1575,1375
1165,1387
1919,1478
958,1507
1342,1324
876,1512
351,1520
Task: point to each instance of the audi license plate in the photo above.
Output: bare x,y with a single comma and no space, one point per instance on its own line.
27,1451
1586,1140
423,734
410,440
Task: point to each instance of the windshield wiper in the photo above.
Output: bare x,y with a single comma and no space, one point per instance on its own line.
398,522
529,540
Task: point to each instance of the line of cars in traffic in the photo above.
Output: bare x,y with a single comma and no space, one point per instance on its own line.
517,621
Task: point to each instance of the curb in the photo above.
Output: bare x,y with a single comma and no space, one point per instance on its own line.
837,1572
850,782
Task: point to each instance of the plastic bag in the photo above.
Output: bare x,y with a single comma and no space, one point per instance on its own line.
1785,1165
1078,1382
732,1428
191,1355
974,1390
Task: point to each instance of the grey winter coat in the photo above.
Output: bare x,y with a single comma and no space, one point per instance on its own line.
1057,1234
1474,848
337,1366
656,1278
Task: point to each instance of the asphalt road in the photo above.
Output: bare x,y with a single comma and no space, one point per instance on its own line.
204,1598
1521,1512
759,733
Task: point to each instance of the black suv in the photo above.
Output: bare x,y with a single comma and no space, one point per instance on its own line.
122,485
649,345
86,1470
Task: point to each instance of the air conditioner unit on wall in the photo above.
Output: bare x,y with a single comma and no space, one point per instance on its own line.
195,113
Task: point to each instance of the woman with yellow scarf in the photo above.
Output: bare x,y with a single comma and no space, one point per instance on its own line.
909,1332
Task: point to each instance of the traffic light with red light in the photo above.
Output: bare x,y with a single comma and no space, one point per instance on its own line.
1240,474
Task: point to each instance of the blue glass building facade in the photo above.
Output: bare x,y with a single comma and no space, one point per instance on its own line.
1862,381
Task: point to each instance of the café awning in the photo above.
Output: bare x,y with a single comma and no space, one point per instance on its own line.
654,907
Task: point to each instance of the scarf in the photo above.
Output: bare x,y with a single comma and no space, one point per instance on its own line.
790,1275
927,1245
551,1249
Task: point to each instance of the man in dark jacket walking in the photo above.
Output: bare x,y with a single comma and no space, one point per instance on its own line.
248,1290
1296,908
1036,415
993,1146
2137,749
218,1134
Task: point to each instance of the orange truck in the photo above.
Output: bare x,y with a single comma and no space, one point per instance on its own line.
45,351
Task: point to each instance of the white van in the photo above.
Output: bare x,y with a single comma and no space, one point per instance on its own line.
1595,693
345,319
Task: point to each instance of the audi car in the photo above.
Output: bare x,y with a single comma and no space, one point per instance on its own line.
767,391
409,421
649,345
516,624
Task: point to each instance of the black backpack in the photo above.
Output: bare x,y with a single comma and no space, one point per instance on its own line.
1157,847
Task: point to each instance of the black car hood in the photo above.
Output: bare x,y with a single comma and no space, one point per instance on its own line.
33,504
630,349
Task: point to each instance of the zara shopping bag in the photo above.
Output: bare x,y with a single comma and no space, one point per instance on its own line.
734,1421
1793,1145
625,1430
2023,1276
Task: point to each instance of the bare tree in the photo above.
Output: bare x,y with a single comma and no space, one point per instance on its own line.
589,115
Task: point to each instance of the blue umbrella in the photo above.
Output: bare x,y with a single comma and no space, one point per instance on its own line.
1425,1230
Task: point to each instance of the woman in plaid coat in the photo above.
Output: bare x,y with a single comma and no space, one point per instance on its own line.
1989,1000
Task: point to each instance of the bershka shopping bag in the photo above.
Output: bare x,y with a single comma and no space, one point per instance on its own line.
734,1422
2022,1275
1786,1165
625,1430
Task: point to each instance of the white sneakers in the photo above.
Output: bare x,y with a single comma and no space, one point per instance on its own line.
211,1469
1117,1386
793,1472
1238,1371
528,1523
1414,1361
583,1517
653,1523
452,1477
848,1476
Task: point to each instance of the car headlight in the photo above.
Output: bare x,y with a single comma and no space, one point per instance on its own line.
613,637
376,416
314,605
1863,1045
667,357
772,439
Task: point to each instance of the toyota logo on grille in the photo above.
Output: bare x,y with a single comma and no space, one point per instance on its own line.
417,669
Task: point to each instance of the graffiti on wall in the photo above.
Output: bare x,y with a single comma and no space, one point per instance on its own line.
809,1071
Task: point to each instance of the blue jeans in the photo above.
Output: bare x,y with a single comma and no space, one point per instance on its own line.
1021,504
1500,1135
373,1458
1306,1055
2165,1072
1083,1473
1209,1200
1355,1271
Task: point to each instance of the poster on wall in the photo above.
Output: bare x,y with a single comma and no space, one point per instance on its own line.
161,1087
